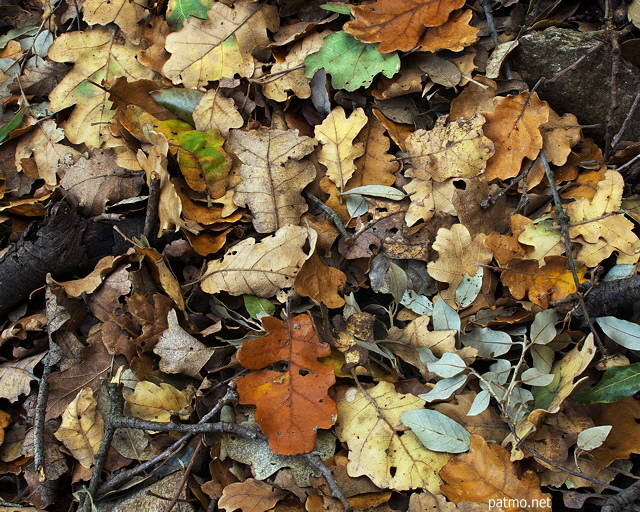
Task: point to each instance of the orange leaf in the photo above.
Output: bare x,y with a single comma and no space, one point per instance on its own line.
486,475
291,405
398,24
320,282
514,127
552,281
622,441
455,34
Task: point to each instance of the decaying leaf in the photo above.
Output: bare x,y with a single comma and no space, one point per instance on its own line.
158,403
252,495
217,112
263,268
82,428
273,175
291,405
486,475
16,377
320,282
381,446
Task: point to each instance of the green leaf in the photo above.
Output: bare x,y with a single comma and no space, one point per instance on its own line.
180,102
437,431
179,11
351,63
339,7
256,305
203,162
15,33
617,383
622,332
377,191
489,343
11,125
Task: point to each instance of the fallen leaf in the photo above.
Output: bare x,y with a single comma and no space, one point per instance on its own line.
338,151
291,405
123,13
350,63
262,268
459,255
454,150
381,446
16,377
217,112
398,25
231,36
513,124
154,402
622,441
455,34
486,475
320,282
82,428
273,175
179,11
179,351
250,496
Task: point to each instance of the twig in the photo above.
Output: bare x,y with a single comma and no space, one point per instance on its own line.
333,216
622,499
494,34
487,203
625,123
39,455
613,104
563,220
185,477
126,476
629,163
152,204
317,463
574,64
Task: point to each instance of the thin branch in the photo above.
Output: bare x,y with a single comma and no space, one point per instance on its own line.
185,477
625,123
333,216
152,204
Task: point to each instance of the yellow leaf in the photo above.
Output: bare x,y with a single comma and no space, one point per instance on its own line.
273,175
223,45
417,334
262,268
380,446
455,150
600,232
338,151
124,13
102,59
428,197
158,403
82,428
459,254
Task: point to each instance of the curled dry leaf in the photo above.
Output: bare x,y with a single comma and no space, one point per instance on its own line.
291,405
262,268
158,403
82,428
16,377
273,175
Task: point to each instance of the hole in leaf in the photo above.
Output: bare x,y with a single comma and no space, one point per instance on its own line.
303,372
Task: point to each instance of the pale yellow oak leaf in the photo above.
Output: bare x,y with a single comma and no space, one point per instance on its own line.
154,402
263,268
598,229
285,76
545,238
428,197
454,150
217,111
338,151
124,13
225,44
381,446
417,334
458,254
82,428
98,57
273,175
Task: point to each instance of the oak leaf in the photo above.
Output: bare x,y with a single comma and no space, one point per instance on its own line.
82,428
179,351
218,112
552,281
273,175
622,441
221,46
513,124
459,255
338,152
398,25
16,377
251,496
455,34
99,58
291,405
454,150
485,474
154,402
320,282
351,63
428,197
262,268
123,13
381,446
545,238
598,230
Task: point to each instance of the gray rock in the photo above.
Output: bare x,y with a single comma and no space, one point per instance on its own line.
584,90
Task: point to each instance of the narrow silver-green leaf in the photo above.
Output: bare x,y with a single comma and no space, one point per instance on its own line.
377,191
622,332
444,316
543,328
445,388
449,365
469,288
480,403
489,343
417,303
436,431
593,437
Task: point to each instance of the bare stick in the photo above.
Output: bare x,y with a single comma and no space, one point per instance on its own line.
335,218
185,477
39,423
625,123
152,204
563,221
317,463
